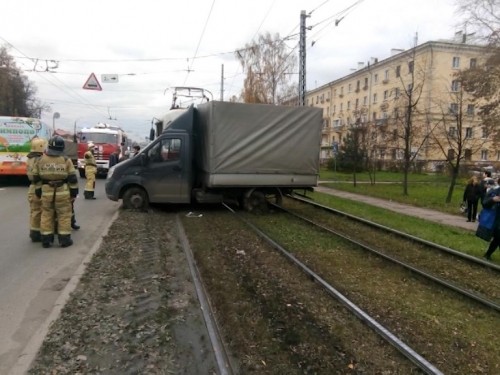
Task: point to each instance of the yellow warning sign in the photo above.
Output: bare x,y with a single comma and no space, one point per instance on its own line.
92,83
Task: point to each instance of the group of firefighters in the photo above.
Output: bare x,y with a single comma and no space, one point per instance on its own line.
53,190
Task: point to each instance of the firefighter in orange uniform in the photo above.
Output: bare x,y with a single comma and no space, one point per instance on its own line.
90,172
56,185
38,145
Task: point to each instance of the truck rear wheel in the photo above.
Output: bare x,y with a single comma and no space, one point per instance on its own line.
135,198
256,202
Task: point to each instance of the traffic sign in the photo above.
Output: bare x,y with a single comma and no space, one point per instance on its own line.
92,83
109,78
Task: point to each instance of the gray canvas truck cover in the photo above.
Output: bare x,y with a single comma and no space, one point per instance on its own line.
258,144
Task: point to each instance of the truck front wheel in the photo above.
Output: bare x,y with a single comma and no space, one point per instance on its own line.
135,198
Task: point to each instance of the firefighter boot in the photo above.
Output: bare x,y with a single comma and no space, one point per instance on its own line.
35,236
47,240
74,225
65,240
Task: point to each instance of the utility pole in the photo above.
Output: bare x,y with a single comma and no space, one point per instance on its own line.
302,59
222,84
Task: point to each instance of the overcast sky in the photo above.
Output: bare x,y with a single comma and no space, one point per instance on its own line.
153,45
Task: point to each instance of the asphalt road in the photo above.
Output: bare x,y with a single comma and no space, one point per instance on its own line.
32,278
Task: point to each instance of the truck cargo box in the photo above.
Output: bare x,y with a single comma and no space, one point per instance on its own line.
257,145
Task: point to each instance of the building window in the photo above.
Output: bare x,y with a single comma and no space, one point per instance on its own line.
357,103
374,98
454,108
470,109
451,154
334,93
410,67
485,133
349,88
468,132
395,135
317,99
366,82
334,108
398,71
348,105
498,155
341,107
468,155
374,116
365,100
386,94
473,63
452,131
358,84
397,92
455,85
484,154
375,78
456,62
342,91
386,75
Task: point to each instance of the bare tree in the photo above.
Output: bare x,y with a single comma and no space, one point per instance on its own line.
268,65
454,132
482,17
409,134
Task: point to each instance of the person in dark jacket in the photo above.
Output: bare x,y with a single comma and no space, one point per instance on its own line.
482,184
491,200
472,194
114,158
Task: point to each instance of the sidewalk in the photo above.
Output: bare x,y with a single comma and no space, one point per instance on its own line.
423,213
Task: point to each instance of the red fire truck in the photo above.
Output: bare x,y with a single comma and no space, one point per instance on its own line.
106,139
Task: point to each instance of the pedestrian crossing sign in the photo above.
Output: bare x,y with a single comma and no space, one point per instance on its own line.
92,83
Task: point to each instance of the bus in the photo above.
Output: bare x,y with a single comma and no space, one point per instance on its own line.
16,134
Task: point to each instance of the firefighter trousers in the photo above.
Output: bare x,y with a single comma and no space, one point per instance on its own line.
56,205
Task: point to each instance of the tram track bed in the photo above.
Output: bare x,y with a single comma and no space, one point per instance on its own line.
272,317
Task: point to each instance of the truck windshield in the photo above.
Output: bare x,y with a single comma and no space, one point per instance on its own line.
99,138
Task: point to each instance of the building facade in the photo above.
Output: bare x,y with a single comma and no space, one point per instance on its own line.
412,98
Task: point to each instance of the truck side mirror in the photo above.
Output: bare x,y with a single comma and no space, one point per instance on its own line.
151,134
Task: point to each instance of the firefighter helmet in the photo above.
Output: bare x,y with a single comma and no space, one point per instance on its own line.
56,146
38,144
90,145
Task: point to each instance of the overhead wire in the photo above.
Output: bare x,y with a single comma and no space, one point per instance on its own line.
190,68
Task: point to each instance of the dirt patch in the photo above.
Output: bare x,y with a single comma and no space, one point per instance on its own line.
134,310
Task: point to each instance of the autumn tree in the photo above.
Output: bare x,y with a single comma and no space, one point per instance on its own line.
268,65
17,93
456,133
482,80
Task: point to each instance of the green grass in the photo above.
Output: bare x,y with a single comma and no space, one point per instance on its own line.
424,190
452,237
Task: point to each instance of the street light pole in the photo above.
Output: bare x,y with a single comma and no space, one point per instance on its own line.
56,115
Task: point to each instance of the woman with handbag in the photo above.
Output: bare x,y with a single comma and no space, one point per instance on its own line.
492,201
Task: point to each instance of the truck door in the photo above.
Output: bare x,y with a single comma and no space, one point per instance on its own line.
166,176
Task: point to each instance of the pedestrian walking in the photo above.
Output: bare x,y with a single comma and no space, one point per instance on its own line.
492,201
56,185
90,172
38,146
114,158
472,195
482,184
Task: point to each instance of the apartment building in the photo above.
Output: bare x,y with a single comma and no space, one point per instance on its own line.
376,95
